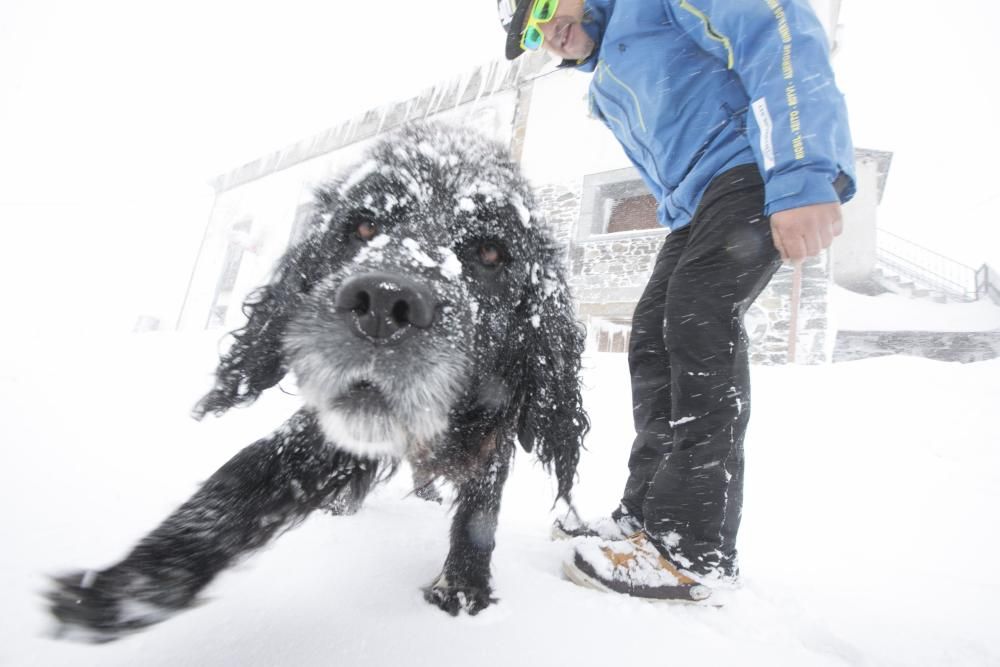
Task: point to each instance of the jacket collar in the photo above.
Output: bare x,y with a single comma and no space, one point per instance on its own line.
596,15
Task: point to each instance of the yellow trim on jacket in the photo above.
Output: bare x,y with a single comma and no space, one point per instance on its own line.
710,30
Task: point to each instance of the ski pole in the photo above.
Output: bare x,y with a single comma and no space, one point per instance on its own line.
793,321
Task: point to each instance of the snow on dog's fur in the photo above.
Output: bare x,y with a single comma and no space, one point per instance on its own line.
425,317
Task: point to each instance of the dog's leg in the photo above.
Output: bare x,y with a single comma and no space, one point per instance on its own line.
423,484
464,583
268,486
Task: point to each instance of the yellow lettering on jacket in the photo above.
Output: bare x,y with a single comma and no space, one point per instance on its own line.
788,74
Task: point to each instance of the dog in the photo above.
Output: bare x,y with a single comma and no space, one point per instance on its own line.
426,318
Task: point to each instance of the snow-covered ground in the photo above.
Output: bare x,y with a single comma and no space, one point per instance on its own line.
892,312
869,533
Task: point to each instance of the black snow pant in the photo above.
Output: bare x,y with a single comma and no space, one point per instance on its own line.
690,375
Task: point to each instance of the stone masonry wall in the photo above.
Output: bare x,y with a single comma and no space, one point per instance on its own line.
607,276
767,321
615,270
963,347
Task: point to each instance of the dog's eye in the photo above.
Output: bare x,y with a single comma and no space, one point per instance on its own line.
365,230
490,254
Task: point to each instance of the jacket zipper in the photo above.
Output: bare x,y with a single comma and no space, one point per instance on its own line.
646,152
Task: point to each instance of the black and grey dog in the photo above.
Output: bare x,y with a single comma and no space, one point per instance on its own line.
425,317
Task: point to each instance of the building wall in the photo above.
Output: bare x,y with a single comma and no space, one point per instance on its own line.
565,149
767,322
963,347
541,112
855,251
272,193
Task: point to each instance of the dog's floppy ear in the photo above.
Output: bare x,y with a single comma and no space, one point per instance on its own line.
254,361
551,420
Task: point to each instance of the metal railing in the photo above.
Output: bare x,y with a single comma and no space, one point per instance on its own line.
933,271
988,283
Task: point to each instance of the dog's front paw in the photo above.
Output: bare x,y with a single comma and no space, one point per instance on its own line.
454,597
429,493
99,607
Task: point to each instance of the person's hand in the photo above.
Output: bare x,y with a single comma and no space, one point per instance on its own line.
805,231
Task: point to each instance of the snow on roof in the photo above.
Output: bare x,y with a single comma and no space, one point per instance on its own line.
448,92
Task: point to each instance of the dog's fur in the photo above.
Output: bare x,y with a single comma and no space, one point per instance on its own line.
442,339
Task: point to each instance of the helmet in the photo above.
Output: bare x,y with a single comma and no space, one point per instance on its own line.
512,13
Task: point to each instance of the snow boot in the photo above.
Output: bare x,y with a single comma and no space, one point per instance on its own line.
618,526
635,567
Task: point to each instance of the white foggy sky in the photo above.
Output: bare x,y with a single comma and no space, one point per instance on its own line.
921,81
115,114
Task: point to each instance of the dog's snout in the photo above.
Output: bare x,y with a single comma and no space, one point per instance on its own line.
385,306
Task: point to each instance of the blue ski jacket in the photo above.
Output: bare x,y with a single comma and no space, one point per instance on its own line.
692,88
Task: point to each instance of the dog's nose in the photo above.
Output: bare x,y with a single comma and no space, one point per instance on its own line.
383,304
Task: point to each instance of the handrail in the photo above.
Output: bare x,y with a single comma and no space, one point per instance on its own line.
929,268
928,278
988,283
926,250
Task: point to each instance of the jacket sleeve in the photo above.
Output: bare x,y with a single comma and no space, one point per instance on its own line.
797,119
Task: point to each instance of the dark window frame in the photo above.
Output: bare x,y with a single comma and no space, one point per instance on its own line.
601,193
229,273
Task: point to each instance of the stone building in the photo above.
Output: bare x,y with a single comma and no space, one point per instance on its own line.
585,186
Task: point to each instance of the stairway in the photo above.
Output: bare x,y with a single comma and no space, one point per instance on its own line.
905,268
892,281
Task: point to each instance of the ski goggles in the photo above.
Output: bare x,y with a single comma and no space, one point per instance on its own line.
541,12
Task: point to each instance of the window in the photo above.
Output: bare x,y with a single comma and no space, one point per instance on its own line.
239,236
617,201
611,335
631,213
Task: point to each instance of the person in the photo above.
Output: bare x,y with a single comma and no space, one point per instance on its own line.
731,115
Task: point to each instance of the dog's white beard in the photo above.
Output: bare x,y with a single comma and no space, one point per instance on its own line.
372,434
368,435
415,412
